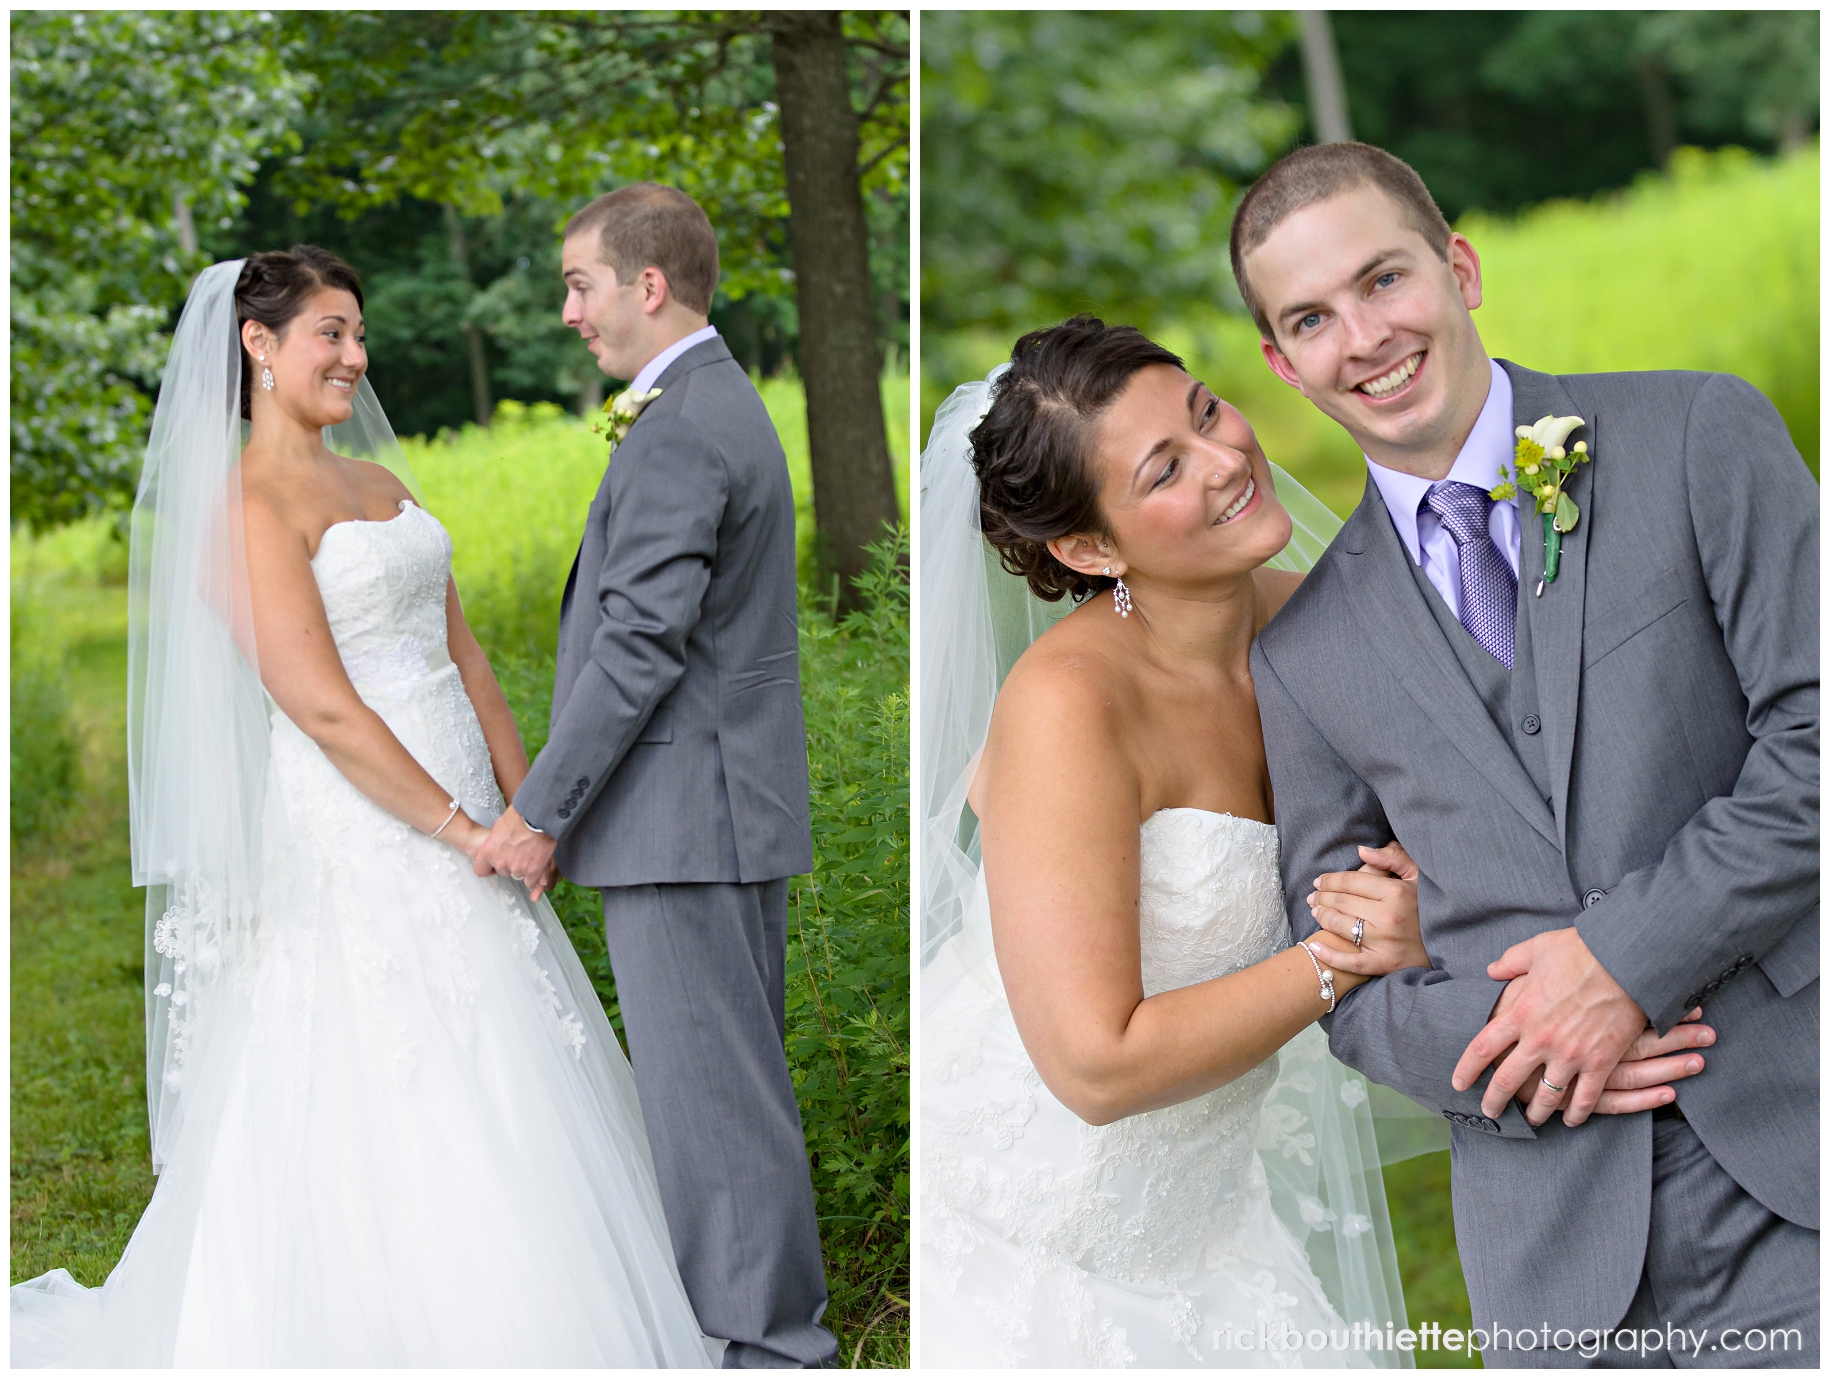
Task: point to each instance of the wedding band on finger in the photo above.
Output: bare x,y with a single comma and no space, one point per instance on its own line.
1550,1086
1359,931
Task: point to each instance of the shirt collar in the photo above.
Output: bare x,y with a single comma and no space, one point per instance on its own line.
1489,445
645,377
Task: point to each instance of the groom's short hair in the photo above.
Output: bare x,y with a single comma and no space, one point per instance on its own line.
1314,174
648,225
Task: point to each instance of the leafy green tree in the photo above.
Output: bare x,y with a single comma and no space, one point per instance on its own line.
1500,110
1089,160
129,131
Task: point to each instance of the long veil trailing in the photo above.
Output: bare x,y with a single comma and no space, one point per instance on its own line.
1318,1143
197,716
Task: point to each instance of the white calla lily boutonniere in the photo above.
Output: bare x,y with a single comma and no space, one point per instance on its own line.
1541,466
621,411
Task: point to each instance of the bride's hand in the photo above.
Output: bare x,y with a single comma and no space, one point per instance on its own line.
1377,905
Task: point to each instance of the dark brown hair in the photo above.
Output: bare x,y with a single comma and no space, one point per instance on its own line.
648,225
273,288
1033,451
1314,174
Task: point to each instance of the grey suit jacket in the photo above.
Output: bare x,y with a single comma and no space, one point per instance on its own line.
678,751
1677,679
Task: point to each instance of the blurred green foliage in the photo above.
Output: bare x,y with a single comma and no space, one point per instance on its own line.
129,130
1087,159
1501,109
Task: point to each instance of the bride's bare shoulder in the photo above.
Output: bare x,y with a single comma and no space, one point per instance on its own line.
1071,677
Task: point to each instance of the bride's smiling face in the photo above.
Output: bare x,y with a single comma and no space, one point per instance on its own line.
1184,488
317,362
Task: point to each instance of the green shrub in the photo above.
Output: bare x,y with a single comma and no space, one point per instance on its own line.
47,776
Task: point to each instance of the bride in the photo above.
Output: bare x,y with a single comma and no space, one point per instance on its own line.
1119,1167
391,1122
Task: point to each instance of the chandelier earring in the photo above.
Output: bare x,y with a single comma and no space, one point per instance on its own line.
266,374
1121,598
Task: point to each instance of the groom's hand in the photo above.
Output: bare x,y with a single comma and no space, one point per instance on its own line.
1561,1013
514,849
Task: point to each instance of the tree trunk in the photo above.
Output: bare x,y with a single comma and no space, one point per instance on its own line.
184,223
1322,73
854,487
1661,110
473,336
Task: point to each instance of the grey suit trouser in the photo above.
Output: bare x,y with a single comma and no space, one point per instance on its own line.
699,974
1726,1283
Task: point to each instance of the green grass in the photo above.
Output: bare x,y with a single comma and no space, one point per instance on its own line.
513,498
1423,1228
1713,266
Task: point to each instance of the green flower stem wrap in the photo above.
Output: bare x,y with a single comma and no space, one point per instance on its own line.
1553,548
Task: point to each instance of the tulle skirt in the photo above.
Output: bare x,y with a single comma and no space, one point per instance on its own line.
410,1140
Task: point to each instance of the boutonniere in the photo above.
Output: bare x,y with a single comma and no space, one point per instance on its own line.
620,413
1541,466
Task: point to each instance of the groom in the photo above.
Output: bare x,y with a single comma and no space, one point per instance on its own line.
675,776
1606,770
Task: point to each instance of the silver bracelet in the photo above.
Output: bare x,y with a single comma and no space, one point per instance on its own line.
448,818
1324,975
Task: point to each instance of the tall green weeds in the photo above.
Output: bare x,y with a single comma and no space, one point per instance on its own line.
47,777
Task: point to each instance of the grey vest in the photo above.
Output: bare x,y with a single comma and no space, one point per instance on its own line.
1510,696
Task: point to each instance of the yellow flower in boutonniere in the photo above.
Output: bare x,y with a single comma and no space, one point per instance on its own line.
1541,466
621,411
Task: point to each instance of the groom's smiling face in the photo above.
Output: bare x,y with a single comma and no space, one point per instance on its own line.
1373,326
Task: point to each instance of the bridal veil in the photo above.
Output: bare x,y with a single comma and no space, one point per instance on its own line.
197,716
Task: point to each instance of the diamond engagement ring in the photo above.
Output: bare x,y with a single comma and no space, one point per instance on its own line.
1551,1086
1359,929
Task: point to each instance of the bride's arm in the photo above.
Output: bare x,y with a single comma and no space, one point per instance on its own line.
507,753
301,669
1058,802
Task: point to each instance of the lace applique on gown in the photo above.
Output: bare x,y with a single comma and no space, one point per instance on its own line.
413,1140
1050,1242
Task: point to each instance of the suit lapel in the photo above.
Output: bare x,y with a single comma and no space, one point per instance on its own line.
1556,614
1406,636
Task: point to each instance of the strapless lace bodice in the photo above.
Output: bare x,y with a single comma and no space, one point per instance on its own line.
383,586
1033,1218
1209,901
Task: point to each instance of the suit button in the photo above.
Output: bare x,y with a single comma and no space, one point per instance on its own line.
1532,723
565,811
1490,1125
1591,899
583,781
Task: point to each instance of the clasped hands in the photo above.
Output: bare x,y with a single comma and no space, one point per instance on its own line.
515,850
1566,1036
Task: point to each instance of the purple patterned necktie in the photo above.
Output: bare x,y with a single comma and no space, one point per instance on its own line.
1489,589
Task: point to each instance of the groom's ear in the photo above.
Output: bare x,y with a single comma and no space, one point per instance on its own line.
654,289
1083,554
1465,264
1280,364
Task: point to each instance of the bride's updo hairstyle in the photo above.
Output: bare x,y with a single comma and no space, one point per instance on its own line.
274,287
1033,452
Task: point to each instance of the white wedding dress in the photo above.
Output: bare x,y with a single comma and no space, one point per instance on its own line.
411,1138
1151,1241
